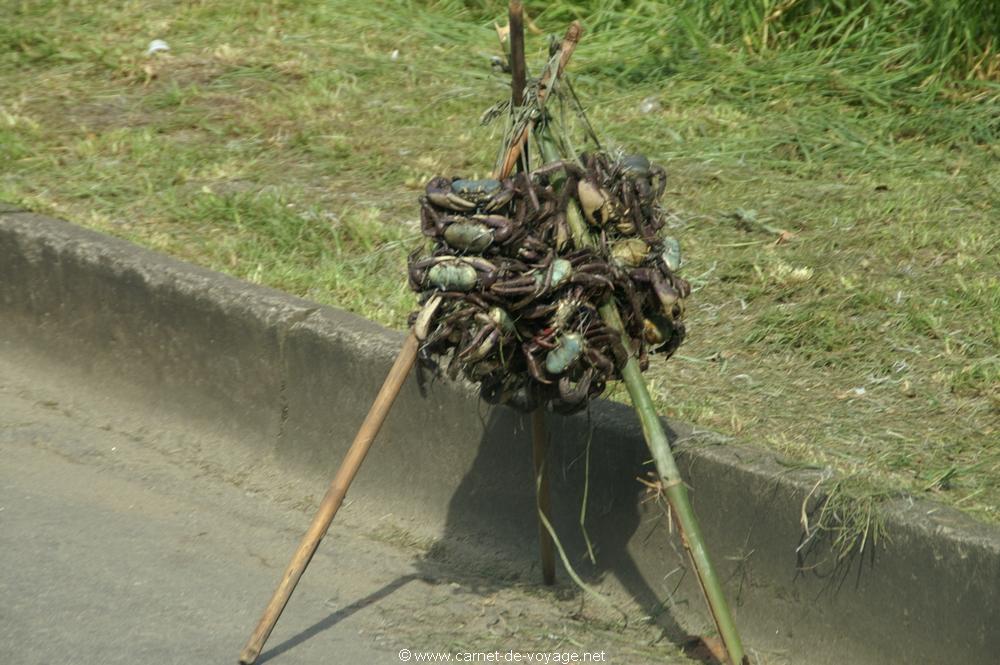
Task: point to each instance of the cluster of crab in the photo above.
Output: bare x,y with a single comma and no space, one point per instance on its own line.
512,302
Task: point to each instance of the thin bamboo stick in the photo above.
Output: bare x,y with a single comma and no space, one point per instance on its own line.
652,429
569,43
334,498
518,67
539,448
539,436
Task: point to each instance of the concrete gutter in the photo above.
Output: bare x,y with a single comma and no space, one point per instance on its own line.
290,381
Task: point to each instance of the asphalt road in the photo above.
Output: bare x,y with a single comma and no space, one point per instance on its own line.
122,543
112,556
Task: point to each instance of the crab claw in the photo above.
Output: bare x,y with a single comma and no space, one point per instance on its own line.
500,199
573,395
421,327
502,226
595,202
534,368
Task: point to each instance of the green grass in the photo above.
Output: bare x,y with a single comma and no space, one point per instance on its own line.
281,142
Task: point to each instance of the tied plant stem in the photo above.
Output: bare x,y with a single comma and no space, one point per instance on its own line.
652,429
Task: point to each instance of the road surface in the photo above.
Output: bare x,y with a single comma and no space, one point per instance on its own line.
122,543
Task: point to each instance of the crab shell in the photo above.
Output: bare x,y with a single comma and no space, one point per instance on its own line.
468,236
452,276
561,358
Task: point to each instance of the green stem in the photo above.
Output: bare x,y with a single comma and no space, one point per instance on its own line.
659,446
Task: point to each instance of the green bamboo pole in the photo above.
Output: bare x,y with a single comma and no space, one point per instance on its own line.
652,429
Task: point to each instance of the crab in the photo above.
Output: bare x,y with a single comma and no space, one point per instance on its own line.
575,388
669,291
620,195
496,326
513,303
639,191
649,180
581,267
466,322
596,203
467,233
663,334
629,252
461,195
450,273
572,350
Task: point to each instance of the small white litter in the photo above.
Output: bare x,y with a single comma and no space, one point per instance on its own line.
650,105
156,46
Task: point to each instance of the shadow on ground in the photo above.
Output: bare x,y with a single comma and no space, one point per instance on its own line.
590,471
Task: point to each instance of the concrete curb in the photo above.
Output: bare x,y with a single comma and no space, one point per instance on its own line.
292,380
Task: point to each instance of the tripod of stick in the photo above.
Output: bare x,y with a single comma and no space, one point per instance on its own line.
652,429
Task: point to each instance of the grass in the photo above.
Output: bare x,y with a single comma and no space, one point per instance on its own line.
284,143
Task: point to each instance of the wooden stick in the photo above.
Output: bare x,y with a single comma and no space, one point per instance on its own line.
518,67
544,86
333,499
539,437
539,447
